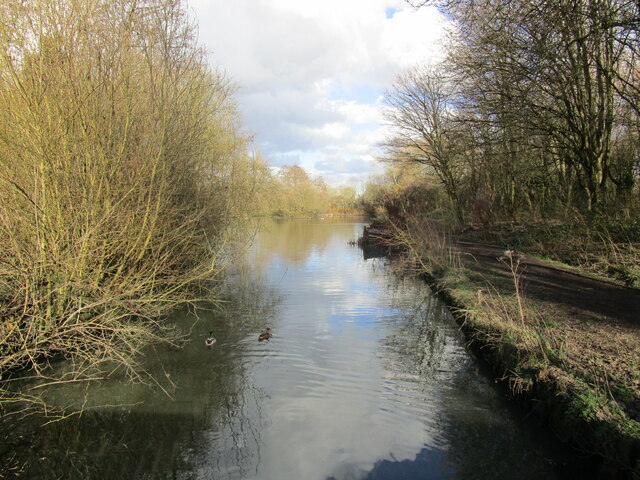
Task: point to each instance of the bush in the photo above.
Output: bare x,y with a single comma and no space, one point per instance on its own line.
118,147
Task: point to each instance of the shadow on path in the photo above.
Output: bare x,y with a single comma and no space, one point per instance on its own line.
591,298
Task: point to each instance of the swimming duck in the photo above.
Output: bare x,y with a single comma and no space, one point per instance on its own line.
210,341
266,335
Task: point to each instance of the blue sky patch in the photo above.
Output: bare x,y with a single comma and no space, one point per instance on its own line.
363,94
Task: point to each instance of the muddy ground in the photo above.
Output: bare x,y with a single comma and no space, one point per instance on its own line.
596,322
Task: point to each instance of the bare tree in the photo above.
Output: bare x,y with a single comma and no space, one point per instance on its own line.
120,157
553,68
420,107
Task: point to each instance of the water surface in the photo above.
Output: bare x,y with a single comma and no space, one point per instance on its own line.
366,377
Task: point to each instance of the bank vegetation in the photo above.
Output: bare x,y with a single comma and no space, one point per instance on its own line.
124,171
528,130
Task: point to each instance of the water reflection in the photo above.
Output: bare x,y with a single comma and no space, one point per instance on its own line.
211,423
296,241
366,377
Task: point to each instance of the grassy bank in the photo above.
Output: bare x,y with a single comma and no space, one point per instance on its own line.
567,355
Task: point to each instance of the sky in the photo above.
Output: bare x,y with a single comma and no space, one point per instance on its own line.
311,74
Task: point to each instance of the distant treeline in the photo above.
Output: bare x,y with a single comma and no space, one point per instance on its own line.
293,193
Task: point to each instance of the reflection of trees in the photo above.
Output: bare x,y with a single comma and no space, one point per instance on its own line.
211,426
490,439
231,445
248,304
129,443
295,240
483,437
418,340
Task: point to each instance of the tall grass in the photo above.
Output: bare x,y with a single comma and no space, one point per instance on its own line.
119,158
427,244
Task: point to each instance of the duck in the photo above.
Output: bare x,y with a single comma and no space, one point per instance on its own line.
210,341
266,335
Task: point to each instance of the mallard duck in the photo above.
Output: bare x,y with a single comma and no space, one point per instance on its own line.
266,335
210,341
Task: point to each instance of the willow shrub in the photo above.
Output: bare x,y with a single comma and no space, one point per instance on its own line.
119,149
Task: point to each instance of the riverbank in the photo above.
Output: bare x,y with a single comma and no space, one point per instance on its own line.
566,345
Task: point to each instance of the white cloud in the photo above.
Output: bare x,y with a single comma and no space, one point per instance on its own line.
311,73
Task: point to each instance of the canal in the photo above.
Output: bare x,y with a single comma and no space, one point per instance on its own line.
366,377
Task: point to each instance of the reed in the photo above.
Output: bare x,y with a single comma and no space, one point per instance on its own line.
427,244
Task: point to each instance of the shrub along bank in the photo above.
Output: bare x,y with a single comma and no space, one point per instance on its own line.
122,170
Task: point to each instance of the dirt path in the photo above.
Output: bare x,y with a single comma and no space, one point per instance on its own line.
576,295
